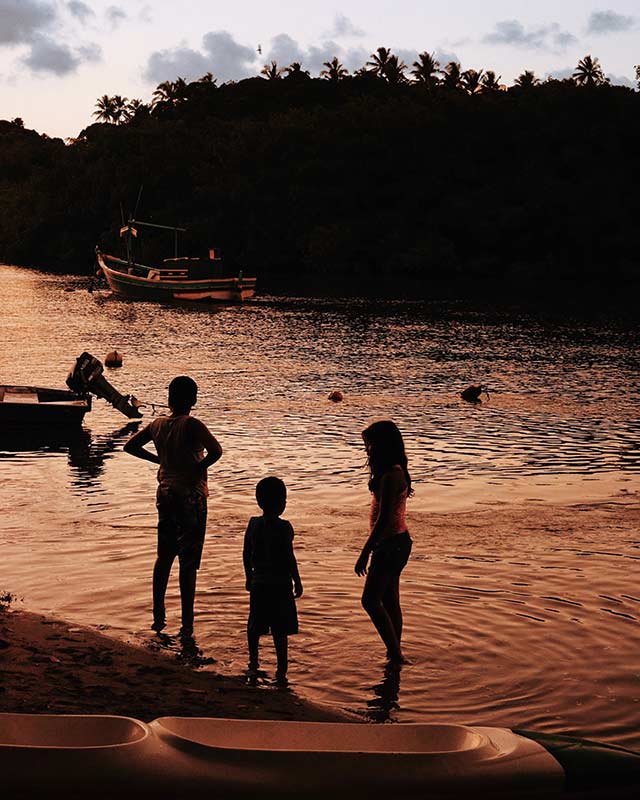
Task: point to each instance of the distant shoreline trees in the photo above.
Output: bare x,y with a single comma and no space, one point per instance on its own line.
426,172
382,65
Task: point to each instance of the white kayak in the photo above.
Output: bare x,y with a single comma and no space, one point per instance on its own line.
172,757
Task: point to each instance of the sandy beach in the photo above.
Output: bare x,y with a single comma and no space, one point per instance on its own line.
51,667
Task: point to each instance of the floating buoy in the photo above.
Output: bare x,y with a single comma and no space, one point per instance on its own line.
113,359
472,393
335,396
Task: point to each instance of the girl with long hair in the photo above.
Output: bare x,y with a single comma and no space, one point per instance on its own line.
389,543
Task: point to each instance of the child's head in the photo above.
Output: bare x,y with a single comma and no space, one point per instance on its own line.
183,393
271,495
385,447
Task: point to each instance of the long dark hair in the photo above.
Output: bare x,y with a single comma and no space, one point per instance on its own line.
386,448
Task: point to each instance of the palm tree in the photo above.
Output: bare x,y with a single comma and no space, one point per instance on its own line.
163,94
426,69
527,80
452,77
271,72
294,70
104,109
334,71
470,80
379,61
119,108
490,82
135,109
393,71
180,91
207,78
589,72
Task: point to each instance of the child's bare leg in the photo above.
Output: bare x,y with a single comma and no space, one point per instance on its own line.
161,572
374,589
280,641
188,577
391,601
253,640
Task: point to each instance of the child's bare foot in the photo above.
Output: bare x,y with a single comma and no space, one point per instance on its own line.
397,659
281,678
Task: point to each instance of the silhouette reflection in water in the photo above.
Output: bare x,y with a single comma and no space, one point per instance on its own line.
87,452
386,693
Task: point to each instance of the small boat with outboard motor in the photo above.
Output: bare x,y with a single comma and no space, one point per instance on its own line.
103,756
176,279
37,406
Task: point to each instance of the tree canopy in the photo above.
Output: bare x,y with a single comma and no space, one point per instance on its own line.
426,176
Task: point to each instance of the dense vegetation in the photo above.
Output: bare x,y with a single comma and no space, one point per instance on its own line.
444,177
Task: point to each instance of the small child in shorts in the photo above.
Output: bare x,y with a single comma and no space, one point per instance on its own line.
272,577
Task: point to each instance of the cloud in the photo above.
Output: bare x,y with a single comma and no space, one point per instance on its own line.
48,55
444,57
285,50
622,80
24,20
546,37
80,10
145,14
167,65
561,74
220,54
228,60
603,22
115,15
343,27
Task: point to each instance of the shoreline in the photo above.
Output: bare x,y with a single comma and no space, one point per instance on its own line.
50,666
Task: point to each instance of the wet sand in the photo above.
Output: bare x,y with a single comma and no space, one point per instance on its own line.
50,667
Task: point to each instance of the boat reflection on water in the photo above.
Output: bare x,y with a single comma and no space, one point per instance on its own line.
385,702
86,452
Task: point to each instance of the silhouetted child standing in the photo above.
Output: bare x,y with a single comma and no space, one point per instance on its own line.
181,441
272,576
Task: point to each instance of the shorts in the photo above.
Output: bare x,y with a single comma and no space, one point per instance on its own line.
392,553
272,608
182,523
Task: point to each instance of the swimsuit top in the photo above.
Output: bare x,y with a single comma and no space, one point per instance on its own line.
396,519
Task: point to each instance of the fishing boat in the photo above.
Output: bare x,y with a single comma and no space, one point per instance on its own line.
103,756
176,279
27,406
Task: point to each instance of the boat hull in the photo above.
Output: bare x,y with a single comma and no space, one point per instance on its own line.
101,756
35,406
124,282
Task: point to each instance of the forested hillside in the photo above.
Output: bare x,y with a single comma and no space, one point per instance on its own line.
313,179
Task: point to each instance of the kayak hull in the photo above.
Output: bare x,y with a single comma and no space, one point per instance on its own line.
102,756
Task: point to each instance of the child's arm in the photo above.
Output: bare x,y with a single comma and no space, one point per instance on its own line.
246,557
387,492
210,444
293,567
135,446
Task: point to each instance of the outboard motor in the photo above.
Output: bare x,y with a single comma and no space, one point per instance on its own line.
86,377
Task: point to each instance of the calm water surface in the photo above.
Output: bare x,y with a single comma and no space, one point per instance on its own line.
539,631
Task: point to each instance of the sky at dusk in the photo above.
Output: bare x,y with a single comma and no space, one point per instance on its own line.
58,56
